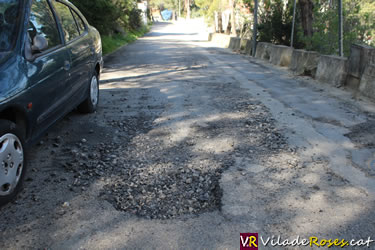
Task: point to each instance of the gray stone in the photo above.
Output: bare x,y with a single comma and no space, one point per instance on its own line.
246,46
234,43
263,50
281,55
332,70
360,57
304,62
367,85
221,40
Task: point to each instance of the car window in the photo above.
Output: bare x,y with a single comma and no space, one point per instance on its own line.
67,21
42,22
9,23
81,25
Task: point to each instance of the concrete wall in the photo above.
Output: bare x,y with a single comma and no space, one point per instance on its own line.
246,46
221,40
234,43
360,57
263,50
281,55
357,72
304,62
367,85
332,70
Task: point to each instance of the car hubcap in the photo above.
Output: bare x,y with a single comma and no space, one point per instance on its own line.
94,91
11,163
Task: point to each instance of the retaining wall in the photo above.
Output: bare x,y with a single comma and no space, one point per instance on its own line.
246,46
367,85
281,55
357,72
332,70
360,57
304,62
234,43
221,40
263,50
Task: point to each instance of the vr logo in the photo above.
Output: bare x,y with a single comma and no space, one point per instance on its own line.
248,241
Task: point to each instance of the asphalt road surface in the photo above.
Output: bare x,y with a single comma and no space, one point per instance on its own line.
193,145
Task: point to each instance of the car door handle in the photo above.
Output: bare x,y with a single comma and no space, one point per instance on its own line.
67,65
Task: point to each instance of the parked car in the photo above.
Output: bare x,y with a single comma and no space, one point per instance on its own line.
50,62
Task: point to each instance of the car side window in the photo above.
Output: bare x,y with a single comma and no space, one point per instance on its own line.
67,21
42,22
81,25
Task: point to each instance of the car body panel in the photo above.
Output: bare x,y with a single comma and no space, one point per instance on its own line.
43,89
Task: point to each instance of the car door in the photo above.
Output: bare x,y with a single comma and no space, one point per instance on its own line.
47,70
77,43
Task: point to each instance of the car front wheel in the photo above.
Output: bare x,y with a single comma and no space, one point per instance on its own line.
91,103
12,160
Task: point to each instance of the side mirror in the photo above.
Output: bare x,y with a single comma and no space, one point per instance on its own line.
40,43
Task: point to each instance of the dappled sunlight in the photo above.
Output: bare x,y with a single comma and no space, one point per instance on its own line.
215,145
118,86
192,146
320,214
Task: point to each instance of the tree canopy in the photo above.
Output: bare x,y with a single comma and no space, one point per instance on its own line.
108,15
316,23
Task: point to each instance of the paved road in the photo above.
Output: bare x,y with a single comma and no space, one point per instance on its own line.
193,145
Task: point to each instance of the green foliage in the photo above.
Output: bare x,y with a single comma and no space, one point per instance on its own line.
111,43
275,20
359,25
135,20
165,4
275,23
107,15
207,8
102,14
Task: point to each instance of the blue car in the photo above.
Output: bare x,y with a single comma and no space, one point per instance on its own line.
50,62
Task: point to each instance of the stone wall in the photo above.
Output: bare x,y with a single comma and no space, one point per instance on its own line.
234,43
332,70
304,62
356,72
367,84
263,51
281,55
246,46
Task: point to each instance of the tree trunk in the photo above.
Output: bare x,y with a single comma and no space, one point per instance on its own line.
220,22
306,7
187,6
232,4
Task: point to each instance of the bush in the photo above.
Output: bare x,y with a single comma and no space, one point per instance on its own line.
357,27
113,42
93,9
107,15
135,19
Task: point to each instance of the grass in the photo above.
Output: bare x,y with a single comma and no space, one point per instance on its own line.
111,43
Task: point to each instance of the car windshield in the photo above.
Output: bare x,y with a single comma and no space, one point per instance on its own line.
9,20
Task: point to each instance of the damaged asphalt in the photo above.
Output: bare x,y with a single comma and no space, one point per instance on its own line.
193,145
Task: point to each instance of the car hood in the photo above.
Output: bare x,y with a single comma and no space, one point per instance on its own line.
12,77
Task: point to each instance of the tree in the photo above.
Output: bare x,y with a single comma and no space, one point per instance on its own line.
232,4
307,9
107,15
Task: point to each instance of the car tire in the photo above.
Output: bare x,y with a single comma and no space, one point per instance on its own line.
91,103
12,160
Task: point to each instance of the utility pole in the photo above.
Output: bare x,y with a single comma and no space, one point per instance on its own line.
341,28
255,27
293,23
